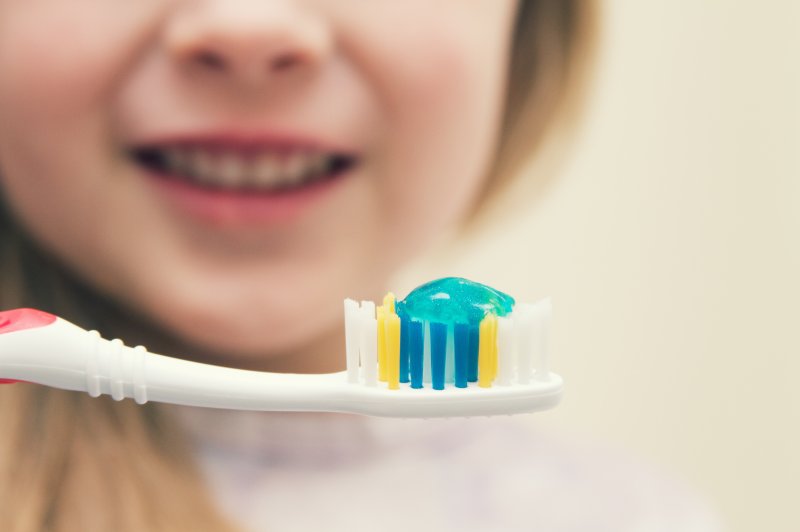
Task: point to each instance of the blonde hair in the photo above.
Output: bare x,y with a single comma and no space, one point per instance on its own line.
551,51
70,462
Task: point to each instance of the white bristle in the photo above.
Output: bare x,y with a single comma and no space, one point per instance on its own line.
368,308
368,347
352,328
524,324
506,352
543,311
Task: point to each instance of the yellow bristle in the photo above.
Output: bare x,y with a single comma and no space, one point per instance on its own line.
389,302
380,313
393,350
493,347
485,353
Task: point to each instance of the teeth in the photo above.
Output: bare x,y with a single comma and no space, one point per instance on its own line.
294,168
319,164
175,160
230,169
201,166
265,169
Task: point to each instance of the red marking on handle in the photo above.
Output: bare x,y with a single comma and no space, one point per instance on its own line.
20,319
24,318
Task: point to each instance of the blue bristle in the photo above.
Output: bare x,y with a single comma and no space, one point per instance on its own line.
438,352
461,349
416,341
449,361
426,352
472,359
404,348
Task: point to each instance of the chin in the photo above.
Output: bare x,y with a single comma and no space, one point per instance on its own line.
247,329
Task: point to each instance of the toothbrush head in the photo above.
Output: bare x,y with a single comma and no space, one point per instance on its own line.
453,341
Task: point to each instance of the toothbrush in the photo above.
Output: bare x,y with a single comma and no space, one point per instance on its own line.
398,365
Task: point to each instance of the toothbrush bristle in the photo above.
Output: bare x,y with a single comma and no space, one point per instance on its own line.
438,341
404,348
461,354
392,349
391,345
381,316
416,342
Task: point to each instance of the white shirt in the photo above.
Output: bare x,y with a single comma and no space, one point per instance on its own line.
312,472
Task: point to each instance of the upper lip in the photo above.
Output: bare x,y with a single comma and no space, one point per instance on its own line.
245,141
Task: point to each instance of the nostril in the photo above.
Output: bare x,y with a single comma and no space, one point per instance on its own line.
213,60
285,61
210,59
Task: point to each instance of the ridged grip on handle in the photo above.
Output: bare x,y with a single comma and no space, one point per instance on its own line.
41,348
63,355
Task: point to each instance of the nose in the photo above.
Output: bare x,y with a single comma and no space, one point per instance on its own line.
247,41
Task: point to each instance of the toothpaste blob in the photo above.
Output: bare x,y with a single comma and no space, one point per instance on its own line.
450,330
455,300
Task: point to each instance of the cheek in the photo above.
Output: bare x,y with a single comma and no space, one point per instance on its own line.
59,58
442,95
59,62
41,91
45,101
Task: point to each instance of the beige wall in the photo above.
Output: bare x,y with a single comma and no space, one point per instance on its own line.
670,243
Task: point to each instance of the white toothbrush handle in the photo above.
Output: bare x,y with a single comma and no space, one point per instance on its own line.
40,348
63,355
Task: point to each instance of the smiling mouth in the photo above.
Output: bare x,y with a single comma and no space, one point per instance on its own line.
237,169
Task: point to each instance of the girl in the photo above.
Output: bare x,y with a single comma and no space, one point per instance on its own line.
210,178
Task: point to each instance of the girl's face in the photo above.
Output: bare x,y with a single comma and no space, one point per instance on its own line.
235,168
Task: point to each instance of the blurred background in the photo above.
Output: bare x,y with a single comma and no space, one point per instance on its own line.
670,242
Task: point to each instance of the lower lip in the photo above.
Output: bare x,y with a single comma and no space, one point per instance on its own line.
242,208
